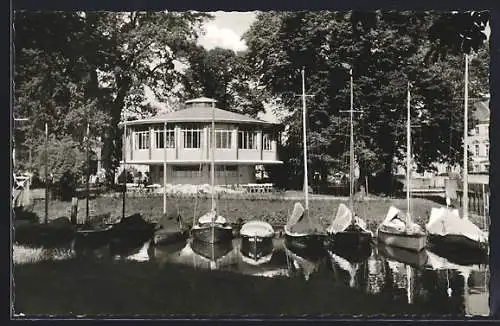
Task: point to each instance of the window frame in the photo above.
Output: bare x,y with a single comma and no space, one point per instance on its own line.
142,138
192,132
267,142
246,138
158,138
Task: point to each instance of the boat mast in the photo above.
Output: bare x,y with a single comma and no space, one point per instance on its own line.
212,167
46,219
88,174
165,167
465,187
124,166
304,134
408,156
351,150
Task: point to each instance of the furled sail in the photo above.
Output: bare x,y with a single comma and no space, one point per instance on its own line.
445,221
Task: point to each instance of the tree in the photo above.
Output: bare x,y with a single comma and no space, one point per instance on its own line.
223,75
385,50
78,68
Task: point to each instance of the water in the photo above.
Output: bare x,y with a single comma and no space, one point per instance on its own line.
433,282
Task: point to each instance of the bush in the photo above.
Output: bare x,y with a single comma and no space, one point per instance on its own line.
130,176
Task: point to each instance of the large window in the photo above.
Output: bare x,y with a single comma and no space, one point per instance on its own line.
142,140
247,140
226,171
192,137
223,138
476,149
266,142
159,141
188,171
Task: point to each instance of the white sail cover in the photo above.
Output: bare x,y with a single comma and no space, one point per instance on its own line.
396,220
298,212
343,219
209,217
257,229
299,225
445,221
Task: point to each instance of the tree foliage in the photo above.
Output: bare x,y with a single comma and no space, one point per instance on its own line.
223,74
386,50
77,68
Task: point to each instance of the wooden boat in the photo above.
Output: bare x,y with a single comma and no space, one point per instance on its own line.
212,227
407,257
257,240
303,234
215,254
170,231
449,233
346,230
55,233
131,232
395,230
95,232
348,234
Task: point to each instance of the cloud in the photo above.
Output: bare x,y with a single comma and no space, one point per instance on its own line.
226,38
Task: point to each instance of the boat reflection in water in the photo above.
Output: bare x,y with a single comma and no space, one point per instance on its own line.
407,257
305,261
473,286
351,273
269,262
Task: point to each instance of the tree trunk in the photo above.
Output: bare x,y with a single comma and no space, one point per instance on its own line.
112,143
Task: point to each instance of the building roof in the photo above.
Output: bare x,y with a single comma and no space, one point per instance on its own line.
200,114
482,111
201,100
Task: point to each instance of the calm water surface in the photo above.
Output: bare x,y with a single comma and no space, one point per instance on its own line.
428,280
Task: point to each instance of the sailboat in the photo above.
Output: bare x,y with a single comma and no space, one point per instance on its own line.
448,233
212,227
395,230
347,231
300,230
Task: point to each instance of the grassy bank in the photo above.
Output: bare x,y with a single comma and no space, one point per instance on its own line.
130,288
273,211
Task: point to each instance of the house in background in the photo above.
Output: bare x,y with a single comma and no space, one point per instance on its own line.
479,140
478,144
241,144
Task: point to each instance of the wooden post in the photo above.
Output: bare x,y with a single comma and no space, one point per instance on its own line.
74,210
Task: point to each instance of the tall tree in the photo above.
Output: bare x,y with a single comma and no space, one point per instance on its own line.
385,50
223,74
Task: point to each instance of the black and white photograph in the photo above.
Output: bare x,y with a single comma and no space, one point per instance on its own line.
185,164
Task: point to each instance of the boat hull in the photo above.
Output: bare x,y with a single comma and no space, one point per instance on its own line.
93,237
204,233
211,251
163,236
408,257
353,246
309,246
413,242
459,249
256,247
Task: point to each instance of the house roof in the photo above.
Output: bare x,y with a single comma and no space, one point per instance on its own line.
482,111
200,114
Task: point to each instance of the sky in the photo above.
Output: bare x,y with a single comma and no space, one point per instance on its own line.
226,30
